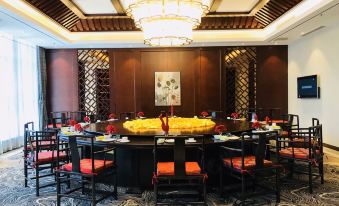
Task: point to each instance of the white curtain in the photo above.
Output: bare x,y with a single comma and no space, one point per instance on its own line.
19,90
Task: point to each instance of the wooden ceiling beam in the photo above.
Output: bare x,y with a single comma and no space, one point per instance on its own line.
73,7
118,6
215,5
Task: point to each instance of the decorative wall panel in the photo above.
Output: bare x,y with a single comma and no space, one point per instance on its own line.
240,65
94,93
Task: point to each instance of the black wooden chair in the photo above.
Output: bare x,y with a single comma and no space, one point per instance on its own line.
41,156
216,114
274,113
28,127
310,152
87,171
58,119
78,116
260,112
248,163
127,115
186,179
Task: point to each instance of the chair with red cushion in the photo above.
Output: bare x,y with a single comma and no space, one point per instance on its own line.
309,150
248,163
290,122
78,116
186,179
98,167
29,126
40,155
58,119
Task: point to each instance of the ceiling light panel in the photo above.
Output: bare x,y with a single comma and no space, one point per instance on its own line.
96,7
237,5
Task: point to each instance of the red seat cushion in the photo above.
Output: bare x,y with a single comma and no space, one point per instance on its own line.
249,162
284,133
300,153
49,157
86,166
167,168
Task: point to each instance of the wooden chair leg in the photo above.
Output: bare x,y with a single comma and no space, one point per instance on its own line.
82,185
277,184
291,168
310,177
25,171
37,185
93,191
204,191
115,186
321,171
253,182
155,193
58,189
243,189
221,181
68,181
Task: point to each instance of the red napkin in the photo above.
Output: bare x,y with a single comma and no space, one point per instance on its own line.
110,129
78,128
219,128
72,122
204,113
140,114
165,127
87,119
112,116
235,115
256,125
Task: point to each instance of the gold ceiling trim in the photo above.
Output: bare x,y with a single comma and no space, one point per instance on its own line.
216,3
77,11
122,14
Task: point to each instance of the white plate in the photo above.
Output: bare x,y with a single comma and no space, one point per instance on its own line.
258,131
124,140
169,140
160,141
233,137
217,136
107,140
191,141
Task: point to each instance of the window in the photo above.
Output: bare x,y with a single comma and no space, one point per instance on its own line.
19,90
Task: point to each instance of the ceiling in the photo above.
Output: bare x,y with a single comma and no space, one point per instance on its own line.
81,23
109,15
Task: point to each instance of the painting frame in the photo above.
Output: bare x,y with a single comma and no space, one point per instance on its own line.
167,88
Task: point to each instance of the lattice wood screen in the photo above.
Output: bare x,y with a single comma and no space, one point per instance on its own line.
94,82
240,65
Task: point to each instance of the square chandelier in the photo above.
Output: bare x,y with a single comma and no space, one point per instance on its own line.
167,22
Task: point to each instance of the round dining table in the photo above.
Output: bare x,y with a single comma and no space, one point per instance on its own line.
135,158
144,138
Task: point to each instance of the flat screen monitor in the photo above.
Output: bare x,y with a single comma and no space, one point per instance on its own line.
308,87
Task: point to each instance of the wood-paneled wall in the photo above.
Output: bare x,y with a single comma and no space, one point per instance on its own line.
202,78
62,80
132,82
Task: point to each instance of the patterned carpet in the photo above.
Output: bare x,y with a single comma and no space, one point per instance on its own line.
294,191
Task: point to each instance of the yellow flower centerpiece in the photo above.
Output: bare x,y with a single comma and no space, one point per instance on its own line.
178,123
